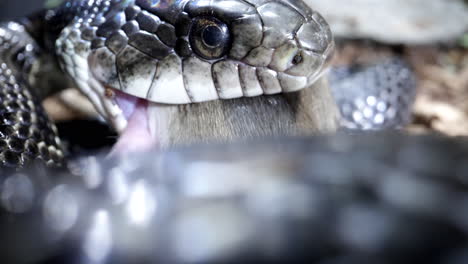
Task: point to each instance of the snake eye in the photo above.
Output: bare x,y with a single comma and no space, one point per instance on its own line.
210,38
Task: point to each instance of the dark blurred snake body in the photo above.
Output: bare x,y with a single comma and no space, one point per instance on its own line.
381,204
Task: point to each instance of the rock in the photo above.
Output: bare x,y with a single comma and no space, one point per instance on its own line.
396,21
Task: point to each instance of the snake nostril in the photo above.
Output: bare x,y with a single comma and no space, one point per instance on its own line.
297,59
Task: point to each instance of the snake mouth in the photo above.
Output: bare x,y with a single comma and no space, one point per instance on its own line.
136,136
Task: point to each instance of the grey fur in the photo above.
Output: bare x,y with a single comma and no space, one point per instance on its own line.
309,111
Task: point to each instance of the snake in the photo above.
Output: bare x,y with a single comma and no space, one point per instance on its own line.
127,55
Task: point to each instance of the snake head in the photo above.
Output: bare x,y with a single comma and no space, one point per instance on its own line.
190,51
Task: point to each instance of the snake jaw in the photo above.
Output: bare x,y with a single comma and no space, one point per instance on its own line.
73,53
126,113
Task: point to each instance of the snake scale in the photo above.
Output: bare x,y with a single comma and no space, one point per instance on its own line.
391,198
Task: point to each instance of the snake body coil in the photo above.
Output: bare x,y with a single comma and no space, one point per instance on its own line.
339,199
26,133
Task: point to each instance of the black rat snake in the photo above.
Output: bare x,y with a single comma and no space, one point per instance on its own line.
390,199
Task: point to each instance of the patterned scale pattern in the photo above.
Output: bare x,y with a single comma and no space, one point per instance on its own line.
374,97
26,133
392,199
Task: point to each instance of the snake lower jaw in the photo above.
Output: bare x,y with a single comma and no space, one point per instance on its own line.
136,135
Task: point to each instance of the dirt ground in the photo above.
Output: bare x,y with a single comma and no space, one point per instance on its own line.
442,71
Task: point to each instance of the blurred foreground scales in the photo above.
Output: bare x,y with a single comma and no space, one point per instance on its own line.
344,199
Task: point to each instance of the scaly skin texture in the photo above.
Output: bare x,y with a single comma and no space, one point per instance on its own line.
375,97
26,133
374,198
